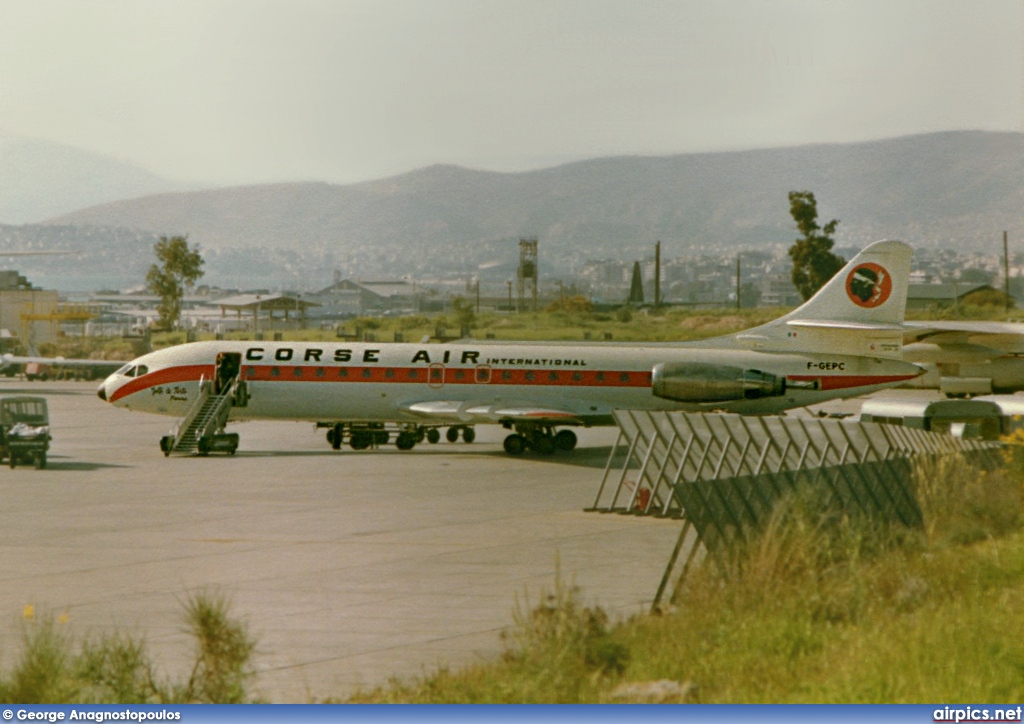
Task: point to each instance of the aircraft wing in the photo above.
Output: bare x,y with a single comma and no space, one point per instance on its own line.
493,412
1000,337
13,359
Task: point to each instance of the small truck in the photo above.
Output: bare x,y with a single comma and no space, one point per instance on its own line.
24,431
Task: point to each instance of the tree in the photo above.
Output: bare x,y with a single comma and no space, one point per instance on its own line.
179,267
750,295
636,286
813,260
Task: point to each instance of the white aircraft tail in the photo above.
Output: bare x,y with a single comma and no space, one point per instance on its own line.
859,311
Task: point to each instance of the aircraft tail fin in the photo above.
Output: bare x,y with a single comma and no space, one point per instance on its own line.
859,311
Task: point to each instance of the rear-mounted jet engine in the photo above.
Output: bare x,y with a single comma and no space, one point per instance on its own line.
701,382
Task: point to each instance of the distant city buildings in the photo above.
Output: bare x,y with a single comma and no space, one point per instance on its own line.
939,278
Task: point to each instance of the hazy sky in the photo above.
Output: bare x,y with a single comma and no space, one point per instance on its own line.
244,91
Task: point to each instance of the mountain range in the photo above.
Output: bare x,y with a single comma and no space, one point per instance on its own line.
41,179
956,189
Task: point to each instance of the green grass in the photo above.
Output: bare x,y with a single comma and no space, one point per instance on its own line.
116,668
814,611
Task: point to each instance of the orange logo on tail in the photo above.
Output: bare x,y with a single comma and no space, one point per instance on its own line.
868,285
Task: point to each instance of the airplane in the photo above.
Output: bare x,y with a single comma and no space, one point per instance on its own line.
93,368
843,342
966,358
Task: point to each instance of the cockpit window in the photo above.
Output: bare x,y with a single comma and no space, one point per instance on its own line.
130,370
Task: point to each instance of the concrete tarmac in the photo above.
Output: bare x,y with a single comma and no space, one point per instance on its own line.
349,567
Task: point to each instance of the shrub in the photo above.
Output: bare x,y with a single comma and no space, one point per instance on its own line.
223,652
557,647
116,668
962,503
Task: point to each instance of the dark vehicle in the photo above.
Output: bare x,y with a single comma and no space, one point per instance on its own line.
24,430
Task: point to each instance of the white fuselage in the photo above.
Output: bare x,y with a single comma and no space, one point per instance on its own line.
356,382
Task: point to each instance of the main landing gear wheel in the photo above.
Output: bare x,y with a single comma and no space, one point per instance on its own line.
335,436
468,434
515,444
433,435
565,441
452,434
405,441
543,443
360,440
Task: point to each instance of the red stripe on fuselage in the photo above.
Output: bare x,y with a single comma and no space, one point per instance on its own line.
447,375
168,376
452,376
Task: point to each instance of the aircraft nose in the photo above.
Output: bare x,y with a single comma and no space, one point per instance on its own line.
102,392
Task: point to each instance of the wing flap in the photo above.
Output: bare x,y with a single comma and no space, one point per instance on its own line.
473,411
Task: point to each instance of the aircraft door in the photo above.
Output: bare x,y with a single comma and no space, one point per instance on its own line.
435,375
228,365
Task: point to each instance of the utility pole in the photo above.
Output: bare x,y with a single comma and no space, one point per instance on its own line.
657,275
737,281
1006,271
478,295
509,282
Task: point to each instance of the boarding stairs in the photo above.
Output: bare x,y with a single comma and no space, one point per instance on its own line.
205,418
